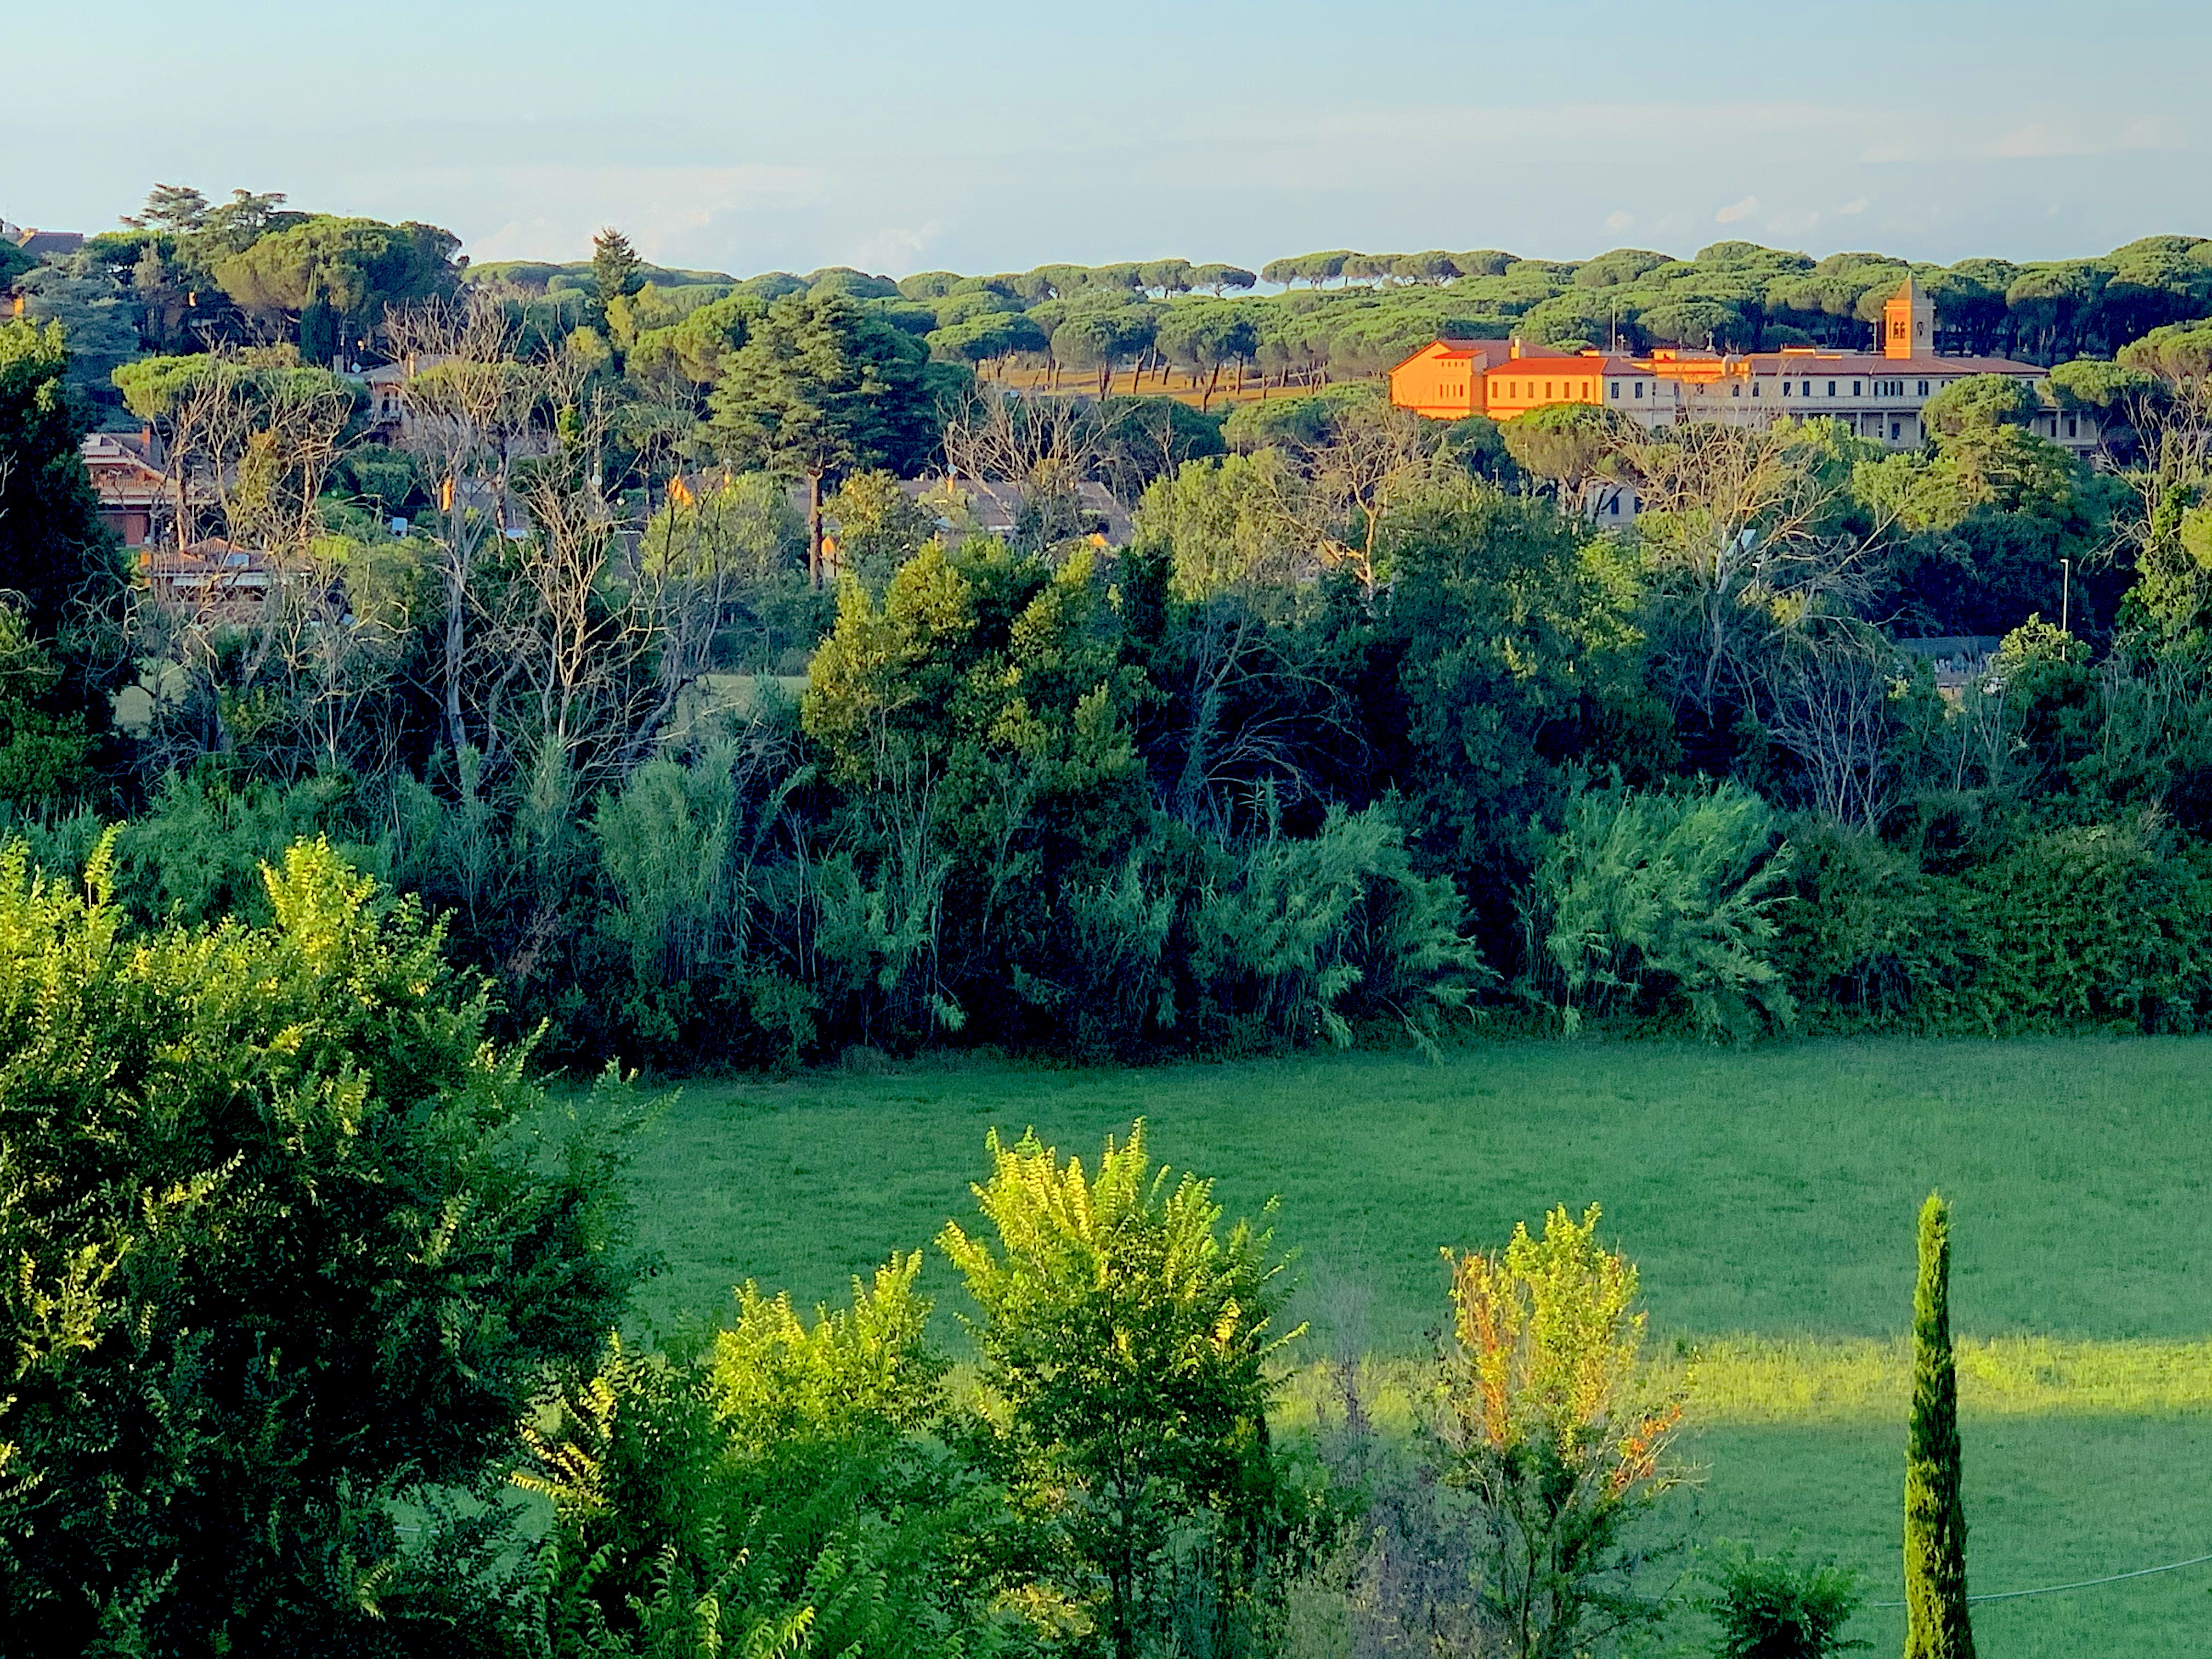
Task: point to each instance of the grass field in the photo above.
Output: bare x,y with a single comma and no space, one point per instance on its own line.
1768,1196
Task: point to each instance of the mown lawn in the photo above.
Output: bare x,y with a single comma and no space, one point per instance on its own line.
1768,1196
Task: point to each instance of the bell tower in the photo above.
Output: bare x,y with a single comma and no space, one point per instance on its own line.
1908,323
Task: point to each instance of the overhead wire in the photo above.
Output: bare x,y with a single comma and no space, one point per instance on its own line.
2085,1584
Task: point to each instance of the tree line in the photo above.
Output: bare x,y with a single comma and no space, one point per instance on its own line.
184,272
672,664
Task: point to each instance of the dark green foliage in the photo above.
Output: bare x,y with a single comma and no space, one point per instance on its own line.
819,386
1517,661
779,1491
2100,928
617,272
2090,927
290,1250
335,277
1654,904
1768,1607
1937,1622
54,553
1864,941
45,747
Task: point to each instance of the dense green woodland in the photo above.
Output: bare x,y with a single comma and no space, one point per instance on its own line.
1366,730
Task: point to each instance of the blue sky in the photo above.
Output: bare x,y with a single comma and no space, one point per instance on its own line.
747,137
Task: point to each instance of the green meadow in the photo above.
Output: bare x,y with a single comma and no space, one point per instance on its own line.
1767,1195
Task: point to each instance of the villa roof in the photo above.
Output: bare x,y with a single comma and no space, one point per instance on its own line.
43,242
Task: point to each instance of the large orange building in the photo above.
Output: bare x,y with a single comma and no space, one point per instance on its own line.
1877,394
1446,379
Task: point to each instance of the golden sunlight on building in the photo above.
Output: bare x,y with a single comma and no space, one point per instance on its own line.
1877,394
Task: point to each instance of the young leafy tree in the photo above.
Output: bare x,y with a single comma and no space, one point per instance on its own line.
1937,1624
1127,1348
286,1248
879,527
1565,1450
820,388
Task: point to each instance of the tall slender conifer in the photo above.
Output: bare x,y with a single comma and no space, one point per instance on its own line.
1936,1623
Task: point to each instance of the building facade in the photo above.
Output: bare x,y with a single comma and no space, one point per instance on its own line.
1877,394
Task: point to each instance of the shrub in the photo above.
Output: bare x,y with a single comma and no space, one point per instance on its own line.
1299,937
684,853
1865,940
775,1494
1662,904
197,856
1768,1607
2092,926
287,1248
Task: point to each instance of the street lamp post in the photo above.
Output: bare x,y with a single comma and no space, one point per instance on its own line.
2066,595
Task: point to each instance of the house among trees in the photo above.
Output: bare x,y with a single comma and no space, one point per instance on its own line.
1879,394
213,582
130,480
38,243
994,507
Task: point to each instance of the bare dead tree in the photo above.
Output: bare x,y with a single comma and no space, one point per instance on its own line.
692,562
1230,752
254,438
1740,523
470,410
1982,735
1340,502
596,616
1043,446
1829,706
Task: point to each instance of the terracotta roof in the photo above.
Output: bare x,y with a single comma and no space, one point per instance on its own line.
121,450
1464,348
1556,363
1491,352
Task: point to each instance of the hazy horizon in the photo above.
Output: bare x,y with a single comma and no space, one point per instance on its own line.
746,139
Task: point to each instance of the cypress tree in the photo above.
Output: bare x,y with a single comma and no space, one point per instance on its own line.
1936,1623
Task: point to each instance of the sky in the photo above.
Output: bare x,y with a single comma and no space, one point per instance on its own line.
743,137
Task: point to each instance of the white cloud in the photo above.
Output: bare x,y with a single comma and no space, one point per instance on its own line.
2042,140
556,209
1619,219
1852,207
1736,210
895,248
